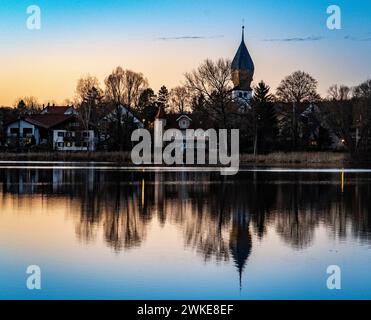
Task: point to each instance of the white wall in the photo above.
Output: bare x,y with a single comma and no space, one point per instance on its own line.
184,123
21,124
59,141
246,95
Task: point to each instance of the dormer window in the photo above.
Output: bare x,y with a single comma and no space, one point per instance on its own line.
184,124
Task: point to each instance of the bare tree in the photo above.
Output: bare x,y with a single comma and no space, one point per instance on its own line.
338,93
363,90
89,96
84,85
125,87
212,80
362,115
70,102
298,87
115,86
31,104
180,100
135,83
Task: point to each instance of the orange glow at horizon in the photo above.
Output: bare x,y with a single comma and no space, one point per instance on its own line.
51,74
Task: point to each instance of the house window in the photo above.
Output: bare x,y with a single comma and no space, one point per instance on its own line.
14,131
184,124
27,132
60,144
85,134
61,134
68,144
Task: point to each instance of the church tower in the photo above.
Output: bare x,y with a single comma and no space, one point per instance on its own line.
242,73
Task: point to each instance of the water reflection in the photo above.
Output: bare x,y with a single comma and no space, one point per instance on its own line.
216,216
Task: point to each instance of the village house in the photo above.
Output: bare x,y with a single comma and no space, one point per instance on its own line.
114,114
55,127
184,122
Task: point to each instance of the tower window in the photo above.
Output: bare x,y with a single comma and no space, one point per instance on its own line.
245,94
240,94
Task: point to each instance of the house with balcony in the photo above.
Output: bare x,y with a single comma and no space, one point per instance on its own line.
58,128
21,133
72,136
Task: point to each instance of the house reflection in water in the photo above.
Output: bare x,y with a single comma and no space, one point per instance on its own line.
218,216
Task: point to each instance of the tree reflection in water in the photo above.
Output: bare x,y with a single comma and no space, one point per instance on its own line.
217,215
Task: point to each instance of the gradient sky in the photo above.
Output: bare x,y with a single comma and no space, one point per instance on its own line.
148,36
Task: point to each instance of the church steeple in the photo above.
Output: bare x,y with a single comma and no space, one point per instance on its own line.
240,242
242,71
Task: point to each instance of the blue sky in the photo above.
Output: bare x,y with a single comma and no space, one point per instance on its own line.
164,39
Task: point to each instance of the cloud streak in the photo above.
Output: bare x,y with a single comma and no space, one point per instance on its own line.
356,38
189,38
296,39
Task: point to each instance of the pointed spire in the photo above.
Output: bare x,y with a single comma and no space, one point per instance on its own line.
240,274
242,59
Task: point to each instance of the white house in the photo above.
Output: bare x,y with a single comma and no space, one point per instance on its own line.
71,140
64,132
22,131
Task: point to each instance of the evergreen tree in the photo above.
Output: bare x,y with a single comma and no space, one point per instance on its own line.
147,105
21,108
163,98
261,93
266,124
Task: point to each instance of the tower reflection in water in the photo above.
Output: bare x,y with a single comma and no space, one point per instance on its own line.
217,216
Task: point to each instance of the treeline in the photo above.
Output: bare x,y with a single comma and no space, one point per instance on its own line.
296,117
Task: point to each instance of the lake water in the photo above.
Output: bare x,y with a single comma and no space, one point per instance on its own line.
106,233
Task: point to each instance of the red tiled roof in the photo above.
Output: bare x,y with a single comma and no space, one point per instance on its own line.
57,109
47,120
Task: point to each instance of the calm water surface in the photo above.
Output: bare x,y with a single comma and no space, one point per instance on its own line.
112,234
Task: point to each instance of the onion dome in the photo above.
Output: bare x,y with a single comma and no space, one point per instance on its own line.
242,67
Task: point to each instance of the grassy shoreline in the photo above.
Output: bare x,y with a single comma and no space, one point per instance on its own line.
301,159
277,159
115,157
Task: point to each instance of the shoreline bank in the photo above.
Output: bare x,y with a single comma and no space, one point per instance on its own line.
277,159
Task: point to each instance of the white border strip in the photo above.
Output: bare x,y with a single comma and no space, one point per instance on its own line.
179,169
